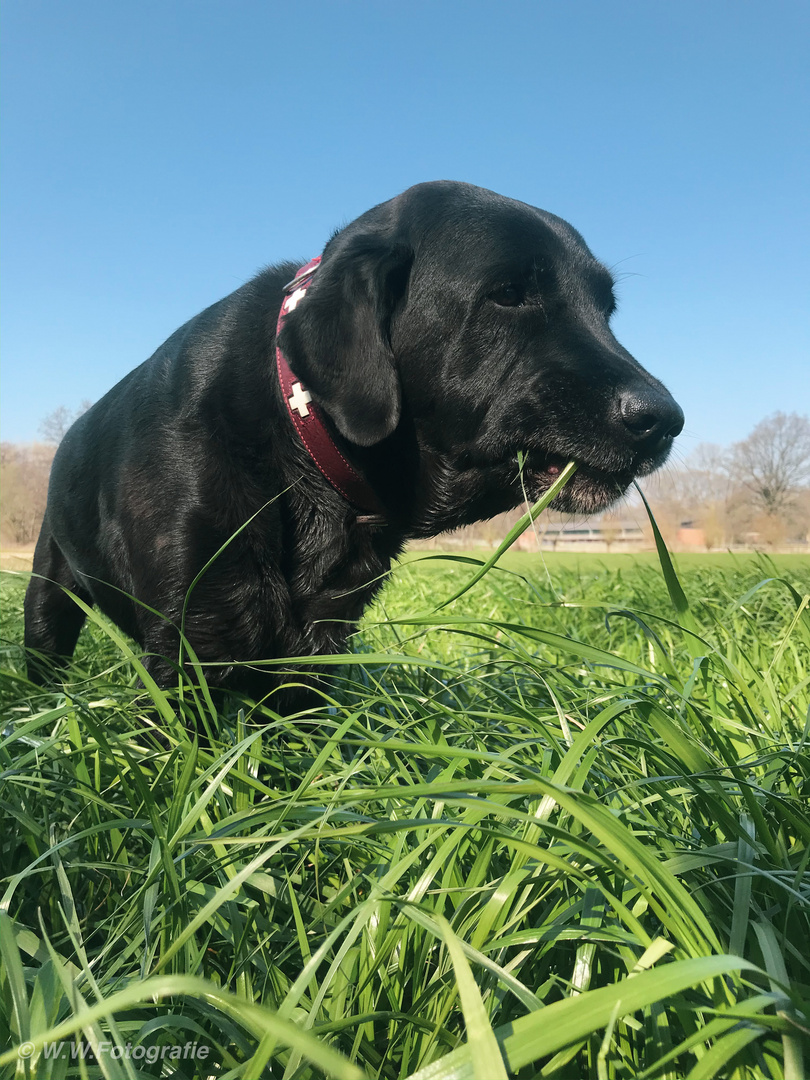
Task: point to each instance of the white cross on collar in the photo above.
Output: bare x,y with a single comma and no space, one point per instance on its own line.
299,399
294,299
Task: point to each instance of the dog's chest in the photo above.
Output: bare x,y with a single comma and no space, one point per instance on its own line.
337,577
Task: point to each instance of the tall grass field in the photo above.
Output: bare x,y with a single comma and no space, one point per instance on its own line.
558,827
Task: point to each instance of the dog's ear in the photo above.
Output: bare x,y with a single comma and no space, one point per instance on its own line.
337,340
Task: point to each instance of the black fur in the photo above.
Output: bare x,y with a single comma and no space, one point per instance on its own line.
445,331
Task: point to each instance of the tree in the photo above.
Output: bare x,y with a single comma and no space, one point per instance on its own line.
714,529
774,461
708,476
55,425
610,530
24,482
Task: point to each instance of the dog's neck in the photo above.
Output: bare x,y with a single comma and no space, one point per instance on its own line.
308,420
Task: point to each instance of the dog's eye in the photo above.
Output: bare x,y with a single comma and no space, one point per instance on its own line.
508,296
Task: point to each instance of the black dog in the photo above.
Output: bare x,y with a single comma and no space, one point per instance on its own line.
444,332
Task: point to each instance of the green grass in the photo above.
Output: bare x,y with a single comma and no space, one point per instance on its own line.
558,828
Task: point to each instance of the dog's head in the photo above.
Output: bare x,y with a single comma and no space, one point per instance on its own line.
481,325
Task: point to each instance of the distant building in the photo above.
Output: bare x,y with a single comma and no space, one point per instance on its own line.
691,535
595,535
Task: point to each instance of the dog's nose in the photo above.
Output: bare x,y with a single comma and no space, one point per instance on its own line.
650,415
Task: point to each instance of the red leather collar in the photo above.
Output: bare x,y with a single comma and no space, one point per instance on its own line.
307,417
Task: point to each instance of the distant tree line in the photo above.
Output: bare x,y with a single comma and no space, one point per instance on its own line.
24,472
754,493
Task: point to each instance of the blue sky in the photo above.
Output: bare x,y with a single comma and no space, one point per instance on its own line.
157,153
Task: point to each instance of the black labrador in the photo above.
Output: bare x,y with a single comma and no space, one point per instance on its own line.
444,332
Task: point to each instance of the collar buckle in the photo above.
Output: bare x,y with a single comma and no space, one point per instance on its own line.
304,274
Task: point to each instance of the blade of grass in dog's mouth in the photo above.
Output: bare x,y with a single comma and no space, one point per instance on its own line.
517,530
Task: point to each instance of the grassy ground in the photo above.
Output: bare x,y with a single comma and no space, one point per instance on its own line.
558,828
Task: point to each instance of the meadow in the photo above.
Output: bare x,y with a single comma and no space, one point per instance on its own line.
558,827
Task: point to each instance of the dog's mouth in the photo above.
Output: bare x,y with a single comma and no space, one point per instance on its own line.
589,490
474,485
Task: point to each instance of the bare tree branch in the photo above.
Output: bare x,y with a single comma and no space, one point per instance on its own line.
55,425
774,461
